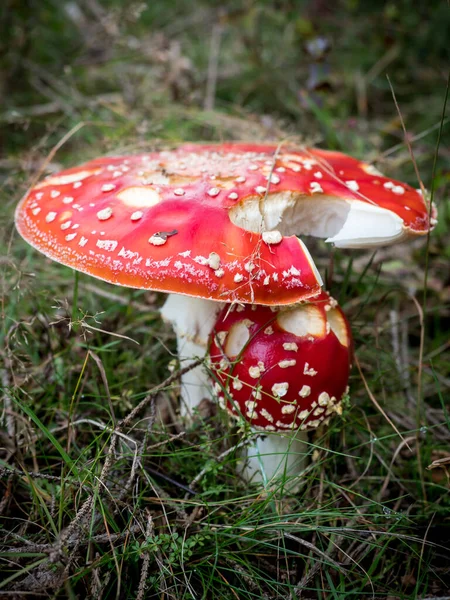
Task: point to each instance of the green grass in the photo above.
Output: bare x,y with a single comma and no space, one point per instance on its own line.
95,504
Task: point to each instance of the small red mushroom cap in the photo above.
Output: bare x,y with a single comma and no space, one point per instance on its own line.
282,369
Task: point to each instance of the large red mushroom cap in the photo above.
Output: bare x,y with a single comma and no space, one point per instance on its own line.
162,221
216,221
282,369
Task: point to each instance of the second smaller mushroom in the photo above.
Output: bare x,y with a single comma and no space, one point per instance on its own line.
285,371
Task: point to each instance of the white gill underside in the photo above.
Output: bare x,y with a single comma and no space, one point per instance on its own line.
345,223
193,320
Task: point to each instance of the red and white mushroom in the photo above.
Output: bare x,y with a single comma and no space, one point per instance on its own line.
215,223
283,370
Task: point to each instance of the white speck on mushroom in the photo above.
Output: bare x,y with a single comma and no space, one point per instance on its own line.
296,168
398,189
309,371
108,187
314,423
219,273
224,364
260,189
83,241
104,214
254,372
256,393
238,278
352,185
237,384
308,164
240,179
305,391
69,237
213,192
268,330
284,364
157,240
138,214
280,389
318,411
233,196
179,192
272,237
66,225
221,337
55,193
282,425
39,195
303,415
36,211
273,178
77,184
288,409
253,167
280,170
315,187
117,173
51,216
67,200
214,260
290,346
388,185
293,271
108,245
249,266
266,414
266,280
318,175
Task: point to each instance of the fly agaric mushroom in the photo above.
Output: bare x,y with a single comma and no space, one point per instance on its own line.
283,370
214,223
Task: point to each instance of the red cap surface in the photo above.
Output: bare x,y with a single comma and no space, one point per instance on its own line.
161,221
212,221
282,369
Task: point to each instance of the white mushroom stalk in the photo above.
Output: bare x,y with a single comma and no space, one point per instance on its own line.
193,320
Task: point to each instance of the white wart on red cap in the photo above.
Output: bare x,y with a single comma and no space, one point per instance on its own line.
282,369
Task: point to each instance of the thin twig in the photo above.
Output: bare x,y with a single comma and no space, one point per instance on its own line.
145,561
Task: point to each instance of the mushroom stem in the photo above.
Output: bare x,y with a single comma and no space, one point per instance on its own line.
276,455
193,320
